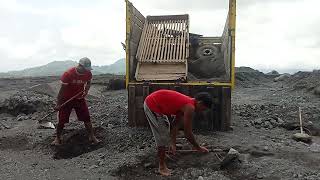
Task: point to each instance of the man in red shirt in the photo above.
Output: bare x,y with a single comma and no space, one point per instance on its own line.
160,105
75,83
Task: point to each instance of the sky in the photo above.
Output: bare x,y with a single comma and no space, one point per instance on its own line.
271,34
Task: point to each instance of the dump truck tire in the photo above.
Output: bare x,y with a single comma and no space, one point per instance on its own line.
207,51
207,68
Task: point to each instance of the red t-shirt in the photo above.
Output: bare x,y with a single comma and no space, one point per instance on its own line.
168,102
75,82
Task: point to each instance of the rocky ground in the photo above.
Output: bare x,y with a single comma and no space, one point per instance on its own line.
264,118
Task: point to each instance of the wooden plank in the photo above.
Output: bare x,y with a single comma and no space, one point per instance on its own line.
179,39
138,14
211,118
187,38
175,41
139,109
133,48
161,68
158,35
159,46
135,33
169,43
145,43
181,42
184,41
225,109
168,77
132,107
165,41
168,17
210,40
132,66
154,42
137,22
141,40
146,53
218,110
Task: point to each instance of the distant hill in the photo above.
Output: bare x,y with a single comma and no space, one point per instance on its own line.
56,68
245,69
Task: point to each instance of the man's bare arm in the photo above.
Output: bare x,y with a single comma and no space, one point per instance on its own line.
188,114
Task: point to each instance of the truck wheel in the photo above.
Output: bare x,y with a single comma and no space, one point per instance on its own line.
207,51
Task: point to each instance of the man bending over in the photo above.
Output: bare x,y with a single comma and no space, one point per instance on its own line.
160,105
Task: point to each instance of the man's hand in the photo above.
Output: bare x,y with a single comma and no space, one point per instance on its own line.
201,149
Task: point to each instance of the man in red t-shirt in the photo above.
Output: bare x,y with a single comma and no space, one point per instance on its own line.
75,83
160,105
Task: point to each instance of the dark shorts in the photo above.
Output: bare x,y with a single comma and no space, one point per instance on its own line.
81,108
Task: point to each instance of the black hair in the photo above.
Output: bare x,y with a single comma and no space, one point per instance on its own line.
205,98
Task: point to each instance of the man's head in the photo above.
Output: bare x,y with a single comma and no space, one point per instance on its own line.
85,64
203,101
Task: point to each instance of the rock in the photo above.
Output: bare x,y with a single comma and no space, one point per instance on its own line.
200,178
244,158
229,158
273,122
280,121
21,117
317,90
93,167
110,126
267,124
258,121
314,147
101,163
147,165
260,176
195,173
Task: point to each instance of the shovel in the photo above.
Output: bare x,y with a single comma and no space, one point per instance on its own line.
43,124
302,136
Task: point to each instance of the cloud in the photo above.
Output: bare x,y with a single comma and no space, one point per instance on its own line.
279,34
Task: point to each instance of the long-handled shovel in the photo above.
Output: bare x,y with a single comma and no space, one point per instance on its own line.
47,124
302,136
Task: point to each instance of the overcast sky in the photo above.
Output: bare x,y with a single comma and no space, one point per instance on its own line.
271,34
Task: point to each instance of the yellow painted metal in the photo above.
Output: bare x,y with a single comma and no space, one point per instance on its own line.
128,34
232,28
187,84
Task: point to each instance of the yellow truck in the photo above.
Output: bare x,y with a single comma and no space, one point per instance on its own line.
161,53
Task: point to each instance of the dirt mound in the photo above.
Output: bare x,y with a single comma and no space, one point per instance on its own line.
307,81
251,78
26,102
270,116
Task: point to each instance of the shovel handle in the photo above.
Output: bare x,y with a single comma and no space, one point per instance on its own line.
63,104
301,127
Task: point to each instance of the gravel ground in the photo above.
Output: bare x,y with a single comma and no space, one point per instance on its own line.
264,116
